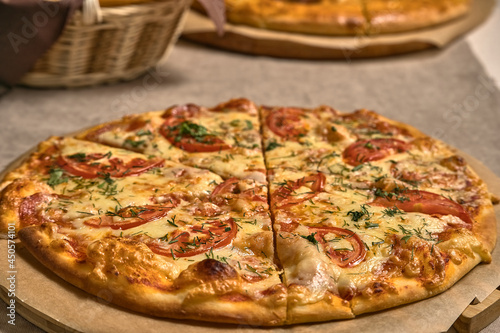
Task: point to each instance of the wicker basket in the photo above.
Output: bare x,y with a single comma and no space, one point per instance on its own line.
104,45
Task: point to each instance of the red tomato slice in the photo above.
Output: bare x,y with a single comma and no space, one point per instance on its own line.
342,258
131,216
128,125
181,111
230,186
285,196
427,203
191,137
287,123
196,239
373,150
236,104
32,208
87,166
370,120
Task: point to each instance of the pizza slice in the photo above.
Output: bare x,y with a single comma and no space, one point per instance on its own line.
346,17
385,16
323,17
174,264
74,171
151,235
224,139
364,212
349,252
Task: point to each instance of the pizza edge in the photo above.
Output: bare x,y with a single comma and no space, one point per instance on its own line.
214,292
356,18
486,232
282,16
384,20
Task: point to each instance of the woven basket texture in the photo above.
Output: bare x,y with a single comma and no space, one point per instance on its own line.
126,43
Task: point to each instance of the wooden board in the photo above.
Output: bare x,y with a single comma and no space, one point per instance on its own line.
54,305
478,315
300,46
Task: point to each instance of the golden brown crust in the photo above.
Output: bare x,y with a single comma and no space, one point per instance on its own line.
403,290
351,17
398,16
485,227
51,249
331,307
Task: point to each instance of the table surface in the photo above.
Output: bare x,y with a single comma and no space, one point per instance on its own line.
485,43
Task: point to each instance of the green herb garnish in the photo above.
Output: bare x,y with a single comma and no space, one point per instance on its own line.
56,177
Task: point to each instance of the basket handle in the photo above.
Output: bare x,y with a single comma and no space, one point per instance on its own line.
91,12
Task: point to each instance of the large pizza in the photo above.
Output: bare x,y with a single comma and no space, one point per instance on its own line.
344,17
251,214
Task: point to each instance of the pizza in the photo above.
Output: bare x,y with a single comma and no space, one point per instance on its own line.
344,17
251,214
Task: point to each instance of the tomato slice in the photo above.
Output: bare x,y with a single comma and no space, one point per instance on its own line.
186,135
191,137
181,111
191,240
130,217
285,196
230,186
427,203
363,151
370,121
89,165
287,123
341,257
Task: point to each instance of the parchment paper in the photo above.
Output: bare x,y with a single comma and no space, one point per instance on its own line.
259,41
446,94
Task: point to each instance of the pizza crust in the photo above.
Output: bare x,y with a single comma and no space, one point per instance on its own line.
344,17
403,290
485,228
208,290
386,16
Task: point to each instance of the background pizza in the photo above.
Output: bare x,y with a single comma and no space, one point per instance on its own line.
255,215
344,17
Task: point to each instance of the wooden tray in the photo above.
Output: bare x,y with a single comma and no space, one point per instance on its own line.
478,315
256,41
54,305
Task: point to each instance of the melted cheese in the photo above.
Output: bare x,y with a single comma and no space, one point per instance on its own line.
344,200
